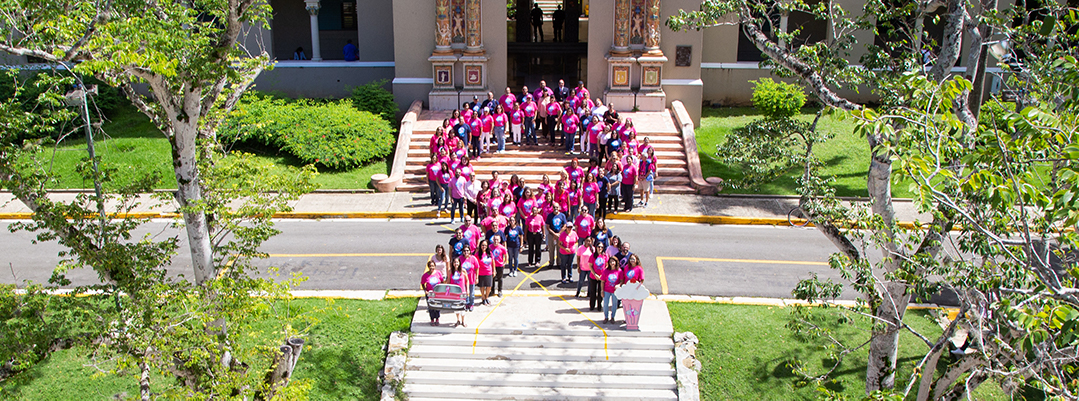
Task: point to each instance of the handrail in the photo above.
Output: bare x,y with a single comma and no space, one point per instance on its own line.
689,141
400,156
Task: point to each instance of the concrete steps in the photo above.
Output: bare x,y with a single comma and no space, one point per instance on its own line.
541,354
532,162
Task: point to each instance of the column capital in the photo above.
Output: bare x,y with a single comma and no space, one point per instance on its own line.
312,6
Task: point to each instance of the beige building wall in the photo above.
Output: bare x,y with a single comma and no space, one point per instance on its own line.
414,35
493,14
600,38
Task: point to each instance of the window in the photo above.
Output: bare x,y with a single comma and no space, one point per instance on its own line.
348,15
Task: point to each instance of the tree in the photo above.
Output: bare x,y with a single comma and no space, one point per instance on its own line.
189,58
922,110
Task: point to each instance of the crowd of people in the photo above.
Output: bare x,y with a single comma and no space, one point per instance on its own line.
564,217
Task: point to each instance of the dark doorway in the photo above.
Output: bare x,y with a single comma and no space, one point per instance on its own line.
535,56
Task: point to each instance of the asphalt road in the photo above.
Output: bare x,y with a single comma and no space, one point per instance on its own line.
378,254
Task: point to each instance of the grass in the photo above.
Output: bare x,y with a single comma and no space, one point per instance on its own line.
341,359
744,351
845,155
133,144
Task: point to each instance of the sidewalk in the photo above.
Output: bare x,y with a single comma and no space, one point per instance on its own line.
744,209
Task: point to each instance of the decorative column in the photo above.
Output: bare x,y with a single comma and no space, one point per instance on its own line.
620,61
443,94
651,96
312,9
474,59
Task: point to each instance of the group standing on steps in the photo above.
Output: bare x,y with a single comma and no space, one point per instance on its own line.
618,164
564,217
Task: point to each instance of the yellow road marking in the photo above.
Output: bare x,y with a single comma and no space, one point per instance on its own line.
663,273
342,255
606,353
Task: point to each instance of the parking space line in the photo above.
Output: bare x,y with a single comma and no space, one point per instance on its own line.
663,273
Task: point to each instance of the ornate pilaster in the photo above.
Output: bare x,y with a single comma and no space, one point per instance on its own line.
443,36
621,27
312,7
652,27
473,40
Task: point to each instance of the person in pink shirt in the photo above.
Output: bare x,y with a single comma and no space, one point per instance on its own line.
570,125
595,284
431,277
475,125
554,114
487,125
500,255
485,272
567,250
573,199
545,185
526,204
534,226
633,271
611,276
590,193
517,119
530,110
584,264
457,193
597,129
627,129
501,122
629,177
433,145
584,222
581,91
508,100
508,208
574,171
459,277
647,174
471,232
471,265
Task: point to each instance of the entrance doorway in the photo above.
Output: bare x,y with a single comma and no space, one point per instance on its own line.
533,56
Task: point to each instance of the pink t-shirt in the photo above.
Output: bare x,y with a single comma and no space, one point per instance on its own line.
629,175
567,242
433,171
517,117
611,279
530,109
599,260
584,224
509,101
634,274
459,279
525,206
584,258
486,265
534,223
501,120
471,266
430,280
553,109
570,122
488,123
476,124
594,131
575,173
498,253
589,192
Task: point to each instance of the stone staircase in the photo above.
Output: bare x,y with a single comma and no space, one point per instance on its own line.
537,348
532,162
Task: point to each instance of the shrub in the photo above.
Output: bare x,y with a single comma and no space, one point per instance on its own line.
777,99
373,98
327,134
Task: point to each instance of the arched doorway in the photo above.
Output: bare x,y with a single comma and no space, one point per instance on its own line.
530,59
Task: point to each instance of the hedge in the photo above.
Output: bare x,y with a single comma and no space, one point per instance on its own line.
331,134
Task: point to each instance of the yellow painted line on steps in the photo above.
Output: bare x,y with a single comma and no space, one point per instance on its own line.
476,338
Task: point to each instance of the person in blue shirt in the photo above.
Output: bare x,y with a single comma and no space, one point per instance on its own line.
350,51
555,220
514,233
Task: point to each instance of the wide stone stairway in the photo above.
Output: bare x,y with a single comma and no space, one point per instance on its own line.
538,346
532,162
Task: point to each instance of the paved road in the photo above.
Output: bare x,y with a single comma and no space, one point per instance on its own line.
378,254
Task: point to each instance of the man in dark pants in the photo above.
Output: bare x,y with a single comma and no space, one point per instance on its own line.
604,186
537,23
562,92
559,18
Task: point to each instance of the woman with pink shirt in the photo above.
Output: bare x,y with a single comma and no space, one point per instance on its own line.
487,126
629,178
475,125
611,276
433,145
530,109
445,178
459,277
545,185
595,284
525,205
573,200
500,255
595,131
431,277
455,117
471,265
585,223
501,122
534,226
647,173
570,125
590,193
584,264
440,260
567,250
554,116
633,271
434,170
517,118
485,272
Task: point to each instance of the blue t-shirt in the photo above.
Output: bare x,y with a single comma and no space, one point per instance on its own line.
513,237
556,221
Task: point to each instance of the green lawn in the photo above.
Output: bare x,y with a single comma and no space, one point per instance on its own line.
845,156
132,144
744,352
341,359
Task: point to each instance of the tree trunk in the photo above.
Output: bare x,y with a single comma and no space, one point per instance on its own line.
144,381
189,190
884,344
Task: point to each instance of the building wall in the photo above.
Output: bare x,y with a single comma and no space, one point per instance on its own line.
414,34
600,38
493,15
